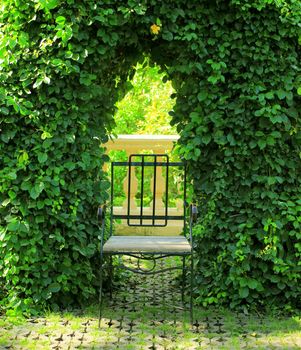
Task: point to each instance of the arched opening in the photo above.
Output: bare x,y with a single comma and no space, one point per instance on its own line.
143,125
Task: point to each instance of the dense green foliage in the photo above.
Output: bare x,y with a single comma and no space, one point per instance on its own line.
235,67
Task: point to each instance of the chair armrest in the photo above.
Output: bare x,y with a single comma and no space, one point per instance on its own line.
193,213
101,211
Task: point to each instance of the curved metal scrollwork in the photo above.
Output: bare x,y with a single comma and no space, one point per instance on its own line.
146,271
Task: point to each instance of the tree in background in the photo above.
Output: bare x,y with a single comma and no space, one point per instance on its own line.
144,109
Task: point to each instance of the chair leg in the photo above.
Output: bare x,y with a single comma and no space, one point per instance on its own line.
191,290
183,278
100,294
111,276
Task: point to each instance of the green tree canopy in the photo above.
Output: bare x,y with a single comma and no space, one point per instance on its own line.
144,109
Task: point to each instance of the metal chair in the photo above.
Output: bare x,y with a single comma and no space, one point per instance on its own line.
150,247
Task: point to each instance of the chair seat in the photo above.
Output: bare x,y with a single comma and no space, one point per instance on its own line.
147,244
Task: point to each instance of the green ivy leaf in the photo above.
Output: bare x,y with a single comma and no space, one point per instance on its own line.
5,202
244,292
46,80
4,110
231,139
197,152
69,165
23,39
276,119
49,4
261,143
206,139
46,135
252,284
281,285
269,95
60,20
11,175
67,34
42,157
38,82
202,96
13,226
36,190
54,287
213,79
270,140
271,180
168,36
12,194
281,94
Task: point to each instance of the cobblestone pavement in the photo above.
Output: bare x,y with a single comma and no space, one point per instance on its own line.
147,313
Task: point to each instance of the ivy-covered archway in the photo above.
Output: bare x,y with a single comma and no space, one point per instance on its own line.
235,66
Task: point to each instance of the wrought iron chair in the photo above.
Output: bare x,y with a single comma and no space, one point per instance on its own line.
150,247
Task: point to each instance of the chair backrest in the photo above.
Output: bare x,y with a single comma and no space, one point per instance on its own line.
149,191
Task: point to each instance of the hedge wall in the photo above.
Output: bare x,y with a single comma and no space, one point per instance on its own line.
235,66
